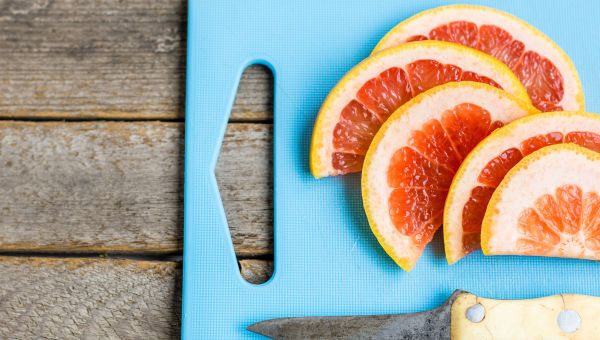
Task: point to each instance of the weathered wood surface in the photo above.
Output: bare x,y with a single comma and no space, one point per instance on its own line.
117,186
104,59
85,298
95,298
245,178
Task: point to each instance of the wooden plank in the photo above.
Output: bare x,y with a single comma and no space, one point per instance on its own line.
91,186
95,298
104,59
117,187
89,298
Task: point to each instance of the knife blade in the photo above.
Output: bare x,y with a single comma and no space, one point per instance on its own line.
462,316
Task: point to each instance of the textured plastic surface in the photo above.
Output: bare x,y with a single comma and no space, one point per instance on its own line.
327,262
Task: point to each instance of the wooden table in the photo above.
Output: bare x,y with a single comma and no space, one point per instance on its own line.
91,155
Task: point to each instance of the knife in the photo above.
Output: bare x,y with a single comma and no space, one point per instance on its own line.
462,316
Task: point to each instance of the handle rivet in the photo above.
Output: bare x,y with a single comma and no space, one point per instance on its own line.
476,313
568,321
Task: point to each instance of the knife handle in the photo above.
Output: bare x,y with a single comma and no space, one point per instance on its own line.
565,316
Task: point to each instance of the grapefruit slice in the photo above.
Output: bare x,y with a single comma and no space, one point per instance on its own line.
547,205
366,96
412,159
543,67
484,168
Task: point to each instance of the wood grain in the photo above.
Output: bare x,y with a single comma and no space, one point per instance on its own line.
87,298
95,298
245,178
104,59
117,187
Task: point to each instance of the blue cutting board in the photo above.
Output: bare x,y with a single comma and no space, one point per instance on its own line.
327,262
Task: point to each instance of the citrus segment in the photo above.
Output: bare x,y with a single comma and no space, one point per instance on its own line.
466,125
590,140
556,215
411,162
433,142
542,79
411,169
475,209
386,92
494,170
370,92
537,142
492,159
543,68
500,44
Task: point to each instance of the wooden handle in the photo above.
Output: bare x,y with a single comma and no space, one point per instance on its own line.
563,316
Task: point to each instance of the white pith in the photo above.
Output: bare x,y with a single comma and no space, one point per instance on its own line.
395,133
399,57
508,137
534,40
541,176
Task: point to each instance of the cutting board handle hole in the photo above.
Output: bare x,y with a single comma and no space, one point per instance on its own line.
246,182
